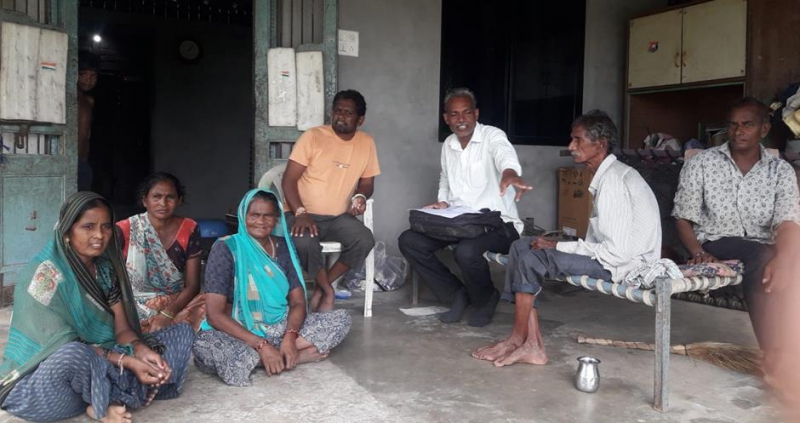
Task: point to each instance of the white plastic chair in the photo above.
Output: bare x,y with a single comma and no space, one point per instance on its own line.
271,180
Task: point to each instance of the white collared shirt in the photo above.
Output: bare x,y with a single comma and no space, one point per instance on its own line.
625,226
471,176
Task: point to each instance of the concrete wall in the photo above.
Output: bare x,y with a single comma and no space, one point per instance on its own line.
202,115
605,52
397,71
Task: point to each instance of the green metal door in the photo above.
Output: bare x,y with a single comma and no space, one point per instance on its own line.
38,161
305,25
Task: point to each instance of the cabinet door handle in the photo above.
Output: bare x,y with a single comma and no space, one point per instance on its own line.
677,57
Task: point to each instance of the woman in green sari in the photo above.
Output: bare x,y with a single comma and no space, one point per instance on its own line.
256,301
75,344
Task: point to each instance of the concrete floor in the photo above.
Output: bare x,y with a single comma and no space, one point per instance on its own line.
396,368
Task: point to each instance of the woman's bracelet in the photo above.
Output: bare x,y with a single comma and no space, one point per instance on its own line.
260,345
699,253
164,313
119,362
353,199
294,331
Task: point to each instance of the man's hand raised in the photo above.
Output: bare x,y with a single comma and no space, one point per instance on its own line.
511,179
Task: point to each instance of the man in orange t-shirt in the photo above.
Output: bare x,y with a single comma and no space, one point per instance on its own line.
330,175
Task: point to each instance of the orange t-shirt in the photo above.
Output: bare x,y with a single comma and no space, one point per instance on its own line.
333,168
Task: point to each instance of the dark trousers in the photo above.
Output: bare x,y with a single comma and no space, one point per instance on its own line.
356,239
755,257
420,251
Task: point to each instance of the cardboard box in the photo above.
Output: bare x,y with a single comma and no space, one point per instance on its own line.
574,200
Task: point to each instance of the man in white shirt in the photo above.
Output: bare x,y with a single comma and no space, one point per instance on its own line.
480,170
624,233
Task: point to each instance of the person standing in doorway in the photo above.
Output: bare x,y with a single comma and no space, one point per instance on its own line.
88,64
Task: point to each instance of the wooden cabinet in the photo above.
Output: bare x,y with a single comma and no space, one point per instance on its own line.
698,43
714,40
654,50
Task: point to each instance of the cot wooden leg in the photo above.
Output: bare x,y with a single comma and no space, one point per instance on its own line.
663,318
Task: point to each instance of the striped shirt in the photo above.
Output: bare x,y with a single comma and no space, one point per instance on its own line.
625,226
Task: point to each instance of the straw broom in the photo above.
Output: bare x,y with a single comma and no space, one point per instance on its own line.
728,356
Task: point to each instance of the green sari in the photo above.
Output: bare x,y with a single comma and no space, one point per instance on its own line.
57,300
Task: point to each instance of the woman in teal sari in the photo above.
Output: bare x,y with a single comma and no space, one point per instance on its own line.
256,301
75,344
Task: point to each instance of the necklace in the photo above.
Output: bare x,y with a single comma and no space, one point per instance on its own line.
92,268
272,245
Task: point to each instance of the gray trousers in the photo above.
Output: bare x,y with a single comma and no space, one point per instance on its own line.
528,268
356,239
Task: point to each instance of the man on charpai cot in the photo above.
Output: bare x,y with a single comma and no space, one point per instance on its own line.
624,234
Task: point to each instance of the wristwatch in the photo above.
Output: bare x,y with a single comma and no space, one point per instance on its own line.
299,211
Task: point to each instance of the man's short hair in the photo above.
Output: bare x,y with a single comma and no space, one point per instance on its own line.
361,104
88,61
762,110
598,125
460,92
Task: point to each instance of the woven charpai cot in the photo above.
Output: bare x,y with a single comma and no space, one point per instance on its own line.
648,296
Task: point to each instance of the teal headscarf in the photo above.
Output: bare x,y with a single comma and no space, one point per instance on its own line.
260,284
57,300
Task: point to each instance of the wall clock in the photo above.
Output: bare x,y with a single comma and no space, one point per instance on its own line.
189,51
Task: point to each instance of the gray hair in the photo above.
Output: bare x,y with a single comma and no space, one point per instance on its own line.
598,125
460,92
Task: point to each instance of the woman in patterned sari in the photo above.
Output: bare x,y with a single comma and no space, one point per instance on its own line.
256,301
162,254
75,344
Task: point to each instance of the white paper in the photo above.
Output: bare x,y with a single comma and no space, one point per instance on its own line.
450,212
348,43
423,311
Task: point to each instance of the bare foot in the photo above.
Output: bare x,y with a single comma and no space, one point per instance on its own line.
496,350
311,355
116,414
528,352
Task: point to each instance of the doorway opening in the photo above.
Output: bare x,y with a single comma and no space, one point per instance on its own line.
174,94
